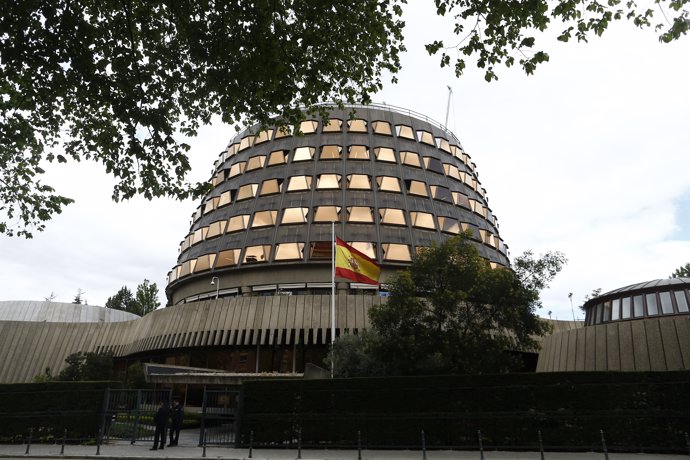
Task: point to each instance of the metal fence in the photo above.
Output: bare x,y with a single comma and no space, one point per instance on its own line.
128,414
219,417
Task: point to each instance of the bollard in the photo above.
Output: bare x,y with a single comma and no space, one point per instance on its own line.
203,442
299,443
481,445
603,444
99,439
359,444
423,446
251,442
541,445
28,441
687,442
64,437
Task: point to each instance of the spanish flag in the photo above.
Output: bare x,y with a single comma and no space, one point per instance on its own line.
353,265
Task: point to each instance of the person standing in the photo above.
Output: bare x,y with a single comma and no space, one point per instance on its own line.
177,413
160,419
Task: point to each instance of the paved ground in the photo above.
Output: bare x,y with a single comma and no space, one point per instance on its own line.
122,450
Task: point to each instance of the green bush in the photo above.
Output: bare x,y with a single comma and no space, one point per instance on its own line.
636,410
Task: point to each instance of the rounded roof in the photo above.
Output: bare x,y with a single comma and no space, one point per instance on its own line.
393,181
647,285
60,312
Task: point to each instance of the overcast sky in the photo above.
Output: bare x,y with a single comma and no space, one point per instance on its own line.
589,156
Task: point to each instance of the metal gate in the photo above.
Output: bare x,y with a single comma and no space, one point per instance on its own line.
219,417
128,414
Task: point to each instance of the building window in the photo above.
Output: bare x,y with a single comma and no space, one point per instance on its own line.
396,252
390,216
320,250
204,263
237,169
330,152
264,218
327,214
328,181
426,137
441,193
294,216
443,144
199,235
452,171
277,157
187,268
385,154
308,126
461,199
225,199
404,131
388,184
299,183
283,131
433,164
357,125
382,127
681,301
227,258
410,159
625,308
247,191
232,150
638,307
449,225
365,247
256,162
271,187
303,154
422,220
652,306
360,214
216,229
237,223
263,136
256,254
289,251
415,187
666,304
615,309
246,142
358,152
333,125
358,182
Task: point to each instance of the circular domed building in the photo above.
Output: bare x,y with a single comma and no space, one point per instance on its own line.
391,180
641,327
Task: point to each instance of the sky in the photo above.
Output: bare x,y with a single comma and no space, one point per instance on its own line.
589,156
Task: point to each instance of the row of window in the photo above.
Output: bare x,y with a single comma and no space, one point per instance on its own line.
318,250
335,125
639,306
327,214
335,182
356,152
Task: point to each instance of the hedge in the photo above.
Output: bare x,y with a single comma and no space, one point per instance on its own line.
637,411
50,408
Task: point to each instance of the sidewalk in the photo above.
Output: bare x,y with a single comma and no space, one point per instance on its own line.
124,450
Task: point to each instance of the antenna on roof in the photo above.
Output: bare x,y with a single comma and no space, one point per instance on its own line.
450,93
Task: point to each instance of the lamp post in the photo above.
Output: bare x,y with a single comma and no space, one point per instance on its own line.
216,281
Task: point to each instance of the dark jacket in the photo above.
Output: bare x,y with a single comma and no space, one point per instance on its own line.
161,416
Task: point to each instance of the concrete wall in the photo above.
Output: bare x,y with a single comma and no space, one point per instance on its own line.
653,344
28,348
59,312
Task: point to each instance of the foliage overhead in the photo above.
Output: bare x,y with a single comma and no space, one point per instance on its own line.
120,83
681,272
450,312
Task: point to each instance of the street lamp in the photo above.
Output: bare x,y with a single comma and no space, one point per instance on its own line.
216,281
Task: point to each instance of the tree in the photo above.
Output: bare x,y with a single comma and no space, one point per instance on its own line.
120,82
87,366
681,272
79,298
122,300
450,312
147,298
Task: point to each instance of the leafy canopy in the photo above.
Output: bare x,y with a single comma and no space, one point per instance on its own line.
450,312
87,366
681,272
120,83
145,301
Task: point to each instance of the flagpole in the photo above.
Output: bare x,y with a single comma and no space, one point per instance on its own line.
332,297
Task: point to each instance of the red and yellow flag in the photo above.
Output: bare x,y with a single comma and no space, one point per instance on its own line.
354,265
